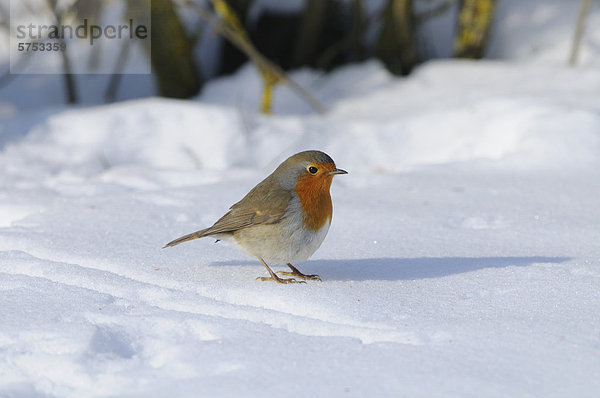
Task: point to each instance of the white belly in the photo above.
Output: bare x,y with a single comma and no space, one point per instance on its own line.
310,242
287,243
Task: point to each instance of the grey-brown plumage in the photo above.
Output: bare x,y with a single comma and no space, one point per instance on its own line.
284,218
266,203
246,212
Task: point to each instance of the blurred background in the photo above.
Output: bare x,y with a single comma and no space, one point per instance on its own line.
194,42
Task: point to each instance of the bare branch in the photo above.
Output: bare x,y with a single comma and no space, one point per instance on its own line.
251,52
584,10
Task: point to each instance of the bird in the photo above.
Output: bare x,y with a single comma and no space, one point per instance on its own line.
284,218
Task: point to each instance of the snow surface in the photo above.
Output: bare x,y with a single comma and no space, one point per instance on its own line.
462,260
463,257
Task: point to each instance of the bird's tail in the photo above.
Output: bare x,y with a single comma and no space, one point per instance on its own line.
192,236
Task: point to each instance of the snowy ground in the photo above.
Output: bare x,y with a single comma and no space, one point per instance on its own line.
463,258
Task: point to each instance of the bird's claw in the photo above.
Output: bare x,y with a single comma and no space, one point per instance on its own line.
301,275
278,279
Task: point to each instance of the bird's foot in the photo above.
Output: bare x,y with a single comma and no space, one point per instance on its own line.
278,279
301,276
295,272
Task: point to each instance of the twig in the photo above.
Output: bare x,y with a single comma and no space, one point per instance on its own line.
115,79
255,56
584,9
67,71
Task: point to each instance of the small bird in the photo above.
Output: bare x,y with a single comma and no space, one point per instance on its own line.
284,219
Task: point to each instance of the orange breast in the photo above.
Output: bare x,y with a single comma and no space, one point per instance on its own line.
313,192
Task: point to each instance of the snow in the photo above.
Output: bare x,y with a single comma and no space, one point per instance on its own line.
462,259
542,32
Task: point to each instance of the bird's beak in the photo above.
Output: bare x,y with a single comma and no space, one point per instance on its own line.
338,171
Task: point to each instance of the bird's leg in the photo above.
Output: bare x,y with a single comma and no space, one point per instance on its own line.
273,276
297,273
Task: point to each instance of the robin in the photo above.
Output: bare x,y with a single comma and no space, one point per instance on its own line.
284,219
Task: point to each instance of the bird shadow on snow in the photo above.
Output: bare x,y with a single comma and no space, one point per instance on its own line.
406,268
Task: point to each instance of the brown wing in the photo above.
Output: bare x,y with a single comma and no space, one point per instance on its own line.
262,205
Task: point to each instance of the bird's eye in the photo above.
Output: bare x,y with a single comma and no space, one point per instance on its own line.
312,170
